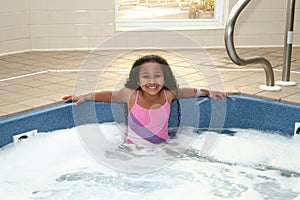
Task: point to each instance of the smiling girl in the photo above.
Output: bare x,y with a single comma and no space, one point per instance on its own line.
148,92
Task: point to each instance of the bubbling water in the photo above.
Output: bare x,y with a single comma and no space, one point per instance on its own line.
245,164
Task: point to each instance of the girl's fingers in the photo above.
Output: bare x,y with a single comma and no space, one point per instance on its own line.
67,98
218,95
70,98
79,101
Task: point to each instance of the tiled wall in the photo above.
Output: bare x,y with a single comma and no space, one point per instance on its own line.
83,24
14,25
68,24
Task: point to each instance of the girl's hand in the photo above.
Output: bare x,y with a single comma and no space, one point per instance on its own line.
217,95
78,99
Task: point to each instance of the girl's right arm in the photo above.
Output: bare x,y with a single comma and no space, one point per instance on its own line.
121,96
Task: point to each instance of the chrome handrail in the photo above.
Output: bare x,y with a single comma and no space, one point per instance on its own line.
229,43
288,45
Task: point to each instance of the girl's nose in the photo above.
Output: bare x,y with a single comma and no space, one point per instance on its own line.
152,80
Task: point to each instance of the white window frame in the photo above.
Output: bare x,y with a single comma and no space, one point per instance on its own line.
221,11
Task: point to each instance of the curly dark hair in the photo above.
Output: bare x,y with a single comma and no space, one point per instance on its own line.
170,81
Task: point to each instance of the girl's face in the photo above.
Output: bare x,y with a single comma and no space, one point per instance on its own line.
151,78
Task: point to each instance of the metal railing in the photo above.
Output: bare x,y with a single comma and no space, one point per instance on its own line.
288,45
229,43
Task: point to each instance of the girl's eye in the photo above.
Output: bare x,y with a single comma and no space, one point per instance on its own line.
145,76
157,75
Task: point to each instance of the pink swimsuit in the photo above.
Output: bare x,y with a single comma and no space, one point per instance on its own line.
148,126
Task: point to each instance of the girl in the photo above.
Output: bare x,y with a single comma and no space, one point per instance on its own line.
148,92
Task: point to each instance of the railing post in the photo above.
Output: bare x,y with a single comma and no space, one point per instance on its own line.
229,44
288,45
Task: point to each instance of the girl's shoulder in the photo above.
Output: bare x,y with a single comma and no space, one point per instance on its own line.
124,94
127,91
170,95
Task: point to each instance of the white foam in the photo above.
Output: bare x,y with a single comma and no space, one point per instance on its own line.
252,147
249,165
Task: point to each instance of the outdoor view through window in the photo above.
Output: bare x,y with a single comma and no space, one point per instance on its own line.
166,12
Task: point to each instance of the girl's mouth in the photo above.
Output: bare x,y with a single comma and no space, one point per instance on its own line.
152,87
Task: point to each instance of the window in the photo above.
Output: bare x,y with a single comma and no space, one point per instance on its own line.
172,14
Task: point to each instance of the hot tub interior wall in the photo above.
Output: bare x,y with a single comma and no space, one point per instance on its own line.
28,25
240,112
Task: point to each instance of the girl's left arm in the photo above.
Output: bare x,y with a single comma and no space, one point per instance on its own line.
194,92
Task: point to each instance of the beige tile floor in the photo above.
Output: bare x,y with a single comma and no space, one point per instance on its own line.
34,79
